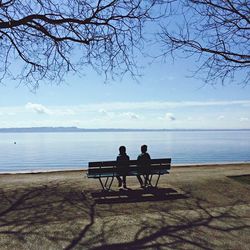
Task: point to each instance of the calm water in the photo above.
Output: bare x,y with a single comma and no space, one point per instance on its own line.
46,151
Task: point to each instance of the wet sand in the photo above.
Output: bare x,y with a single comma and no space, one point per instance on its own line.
195,207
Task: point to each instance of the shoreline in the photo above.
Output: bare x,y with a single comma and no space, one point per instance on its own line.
68,170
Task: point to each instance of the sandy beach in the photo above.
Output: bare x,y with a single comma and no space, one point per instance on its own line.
195,207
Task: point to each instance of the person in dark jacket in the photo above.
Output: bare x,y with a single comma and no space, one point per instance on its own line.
122,166
143,162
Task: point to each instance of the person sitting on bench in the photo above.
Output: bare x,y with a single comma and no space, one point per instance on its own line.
143,161
122,166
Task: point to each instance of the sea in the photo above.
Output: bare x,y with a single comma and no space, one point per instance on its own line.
35,152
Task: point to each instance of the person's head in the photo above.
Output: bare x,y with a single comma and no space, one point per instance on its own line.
122,150
144,148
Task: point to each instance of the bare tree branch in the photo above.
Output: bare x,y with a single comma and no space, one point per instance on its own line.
217,32
45,40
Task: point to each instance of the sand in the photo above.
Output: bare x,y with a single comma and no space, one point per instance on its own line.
195,207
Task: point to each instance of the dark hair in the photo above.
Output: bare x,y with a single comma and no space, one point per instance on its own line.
144,148
122,149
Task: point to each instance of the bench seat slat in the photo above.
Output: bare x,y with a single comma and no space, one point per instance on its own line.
102,175
134,168
161,161
102,164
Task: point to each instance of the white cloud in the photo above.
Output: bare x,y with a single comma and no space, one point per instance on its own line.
106,113
130,115
244,119
103,111
156,105
147,114
7,113
110,107
63,111
127,115
41,109
168,117
38,108
221,117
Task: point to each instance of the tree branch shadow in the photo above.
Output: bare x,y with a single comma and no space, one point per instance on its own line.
184,229
135,196
36,211
64,218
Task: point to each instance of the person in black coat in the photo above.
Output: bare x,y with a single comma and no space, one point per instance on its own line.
122,166
143,162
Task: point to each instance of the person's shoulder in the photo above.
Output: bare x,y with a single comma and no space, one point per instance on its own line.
118,157
139,156
122,157
145,156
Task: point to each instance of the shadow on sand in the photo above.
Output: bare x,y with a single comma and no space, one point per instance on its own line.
61,217
131,196
245,179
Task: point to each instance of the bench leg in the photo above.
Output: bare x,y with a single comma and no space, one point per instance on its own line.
110,184
103,187
106,182
150,180
157,180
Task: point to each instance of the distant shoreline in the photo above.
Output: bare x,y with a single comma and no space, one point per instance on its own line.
78,130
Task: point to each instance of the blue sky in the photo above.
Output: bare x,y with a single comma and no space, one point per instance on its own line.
164,97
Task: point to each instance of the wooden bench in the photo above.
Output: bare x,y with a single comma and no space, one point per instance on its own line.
106,171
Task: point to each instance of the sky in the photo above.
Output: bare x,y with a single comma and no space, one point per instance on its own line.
164,97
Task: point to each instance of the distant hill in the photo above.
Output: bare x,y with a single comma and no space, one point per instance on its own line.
38,129
75,129
68,129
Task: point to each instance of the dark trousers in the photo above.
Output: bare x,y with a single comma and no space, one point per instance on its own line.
121,180
146,179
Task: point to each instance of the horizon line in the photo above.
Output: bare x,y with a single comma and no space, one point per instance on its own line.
77,129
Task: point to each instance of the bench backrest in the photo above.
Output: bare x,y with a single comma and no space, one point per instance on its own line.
106,167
